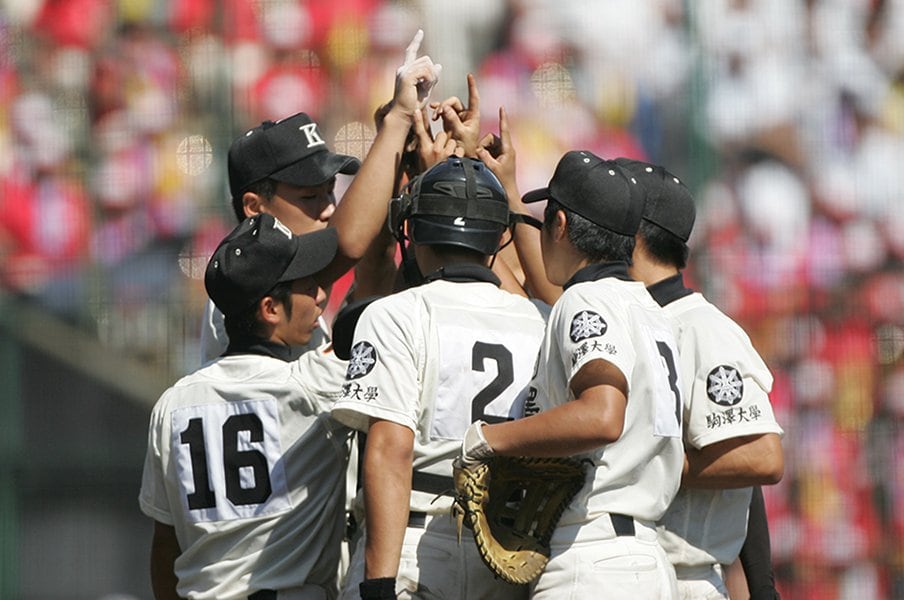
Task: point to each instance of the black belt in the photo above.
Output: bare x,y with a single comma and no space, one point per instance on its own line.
417,520
432,484
622,524
263,595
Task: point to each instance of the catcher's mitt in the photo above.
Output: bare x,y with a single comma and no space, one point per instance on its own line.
513,505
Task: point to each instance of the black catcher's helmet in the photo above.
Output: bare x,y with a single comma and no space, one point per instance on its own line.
458,202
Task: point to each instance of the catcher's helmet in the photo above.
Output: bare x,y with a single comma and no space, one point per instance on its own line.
458,202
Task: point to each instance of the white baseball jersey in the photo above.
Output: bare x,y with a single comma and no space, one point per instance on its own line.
435,358
214,339
246,464
616,320
726,396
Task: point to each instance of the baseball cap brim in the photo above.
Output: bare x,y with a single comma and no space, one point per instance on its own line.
536,195
317,168
313,253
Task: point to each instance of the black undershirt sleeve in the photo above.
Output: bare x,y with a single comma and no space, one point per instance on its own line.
756,553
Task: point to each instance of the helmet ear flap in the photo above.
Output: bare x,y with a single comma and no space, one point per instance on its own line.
399,212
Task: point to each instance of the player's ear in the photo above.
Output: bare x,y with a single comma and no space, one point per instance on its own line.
251,202
269,310
559,227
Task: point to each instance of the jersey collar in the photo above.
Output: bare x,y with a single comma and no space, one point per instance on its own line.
464,274
260,347
670,289
597,271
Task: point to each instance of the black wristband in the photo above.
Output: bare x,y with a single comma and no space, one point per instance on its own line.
381,588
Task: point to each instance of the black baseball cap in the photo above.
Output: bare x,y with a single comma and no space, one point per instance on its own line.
290,150
259,253
669,203
597,189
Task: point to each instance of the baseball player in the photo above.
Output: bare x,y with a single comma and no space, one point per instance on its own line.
284,168
607,388
732,438
425,363
245,470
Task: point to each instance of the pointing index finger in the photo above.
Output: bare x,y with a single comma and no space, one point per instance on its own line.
473,94
415,45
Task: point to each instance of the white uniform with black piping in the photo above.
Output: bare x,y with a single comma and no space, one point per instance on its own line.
434,358
606,540
727,396
246,464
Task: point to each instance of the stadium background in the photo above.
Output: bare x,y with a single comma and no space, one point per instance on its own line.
785,117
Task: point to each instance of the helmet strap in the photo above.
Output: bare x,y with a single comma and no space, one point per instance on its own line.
410,271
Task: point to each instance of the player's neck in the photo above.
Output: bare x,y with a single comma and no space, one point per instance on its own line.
429,261
650,272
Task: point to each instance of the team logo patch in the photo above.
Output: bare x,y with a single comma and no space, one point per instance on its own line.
362,360
587,324
724,386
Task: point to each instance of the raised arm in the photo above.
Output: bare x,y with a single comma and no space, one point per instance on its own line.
498,154
362,211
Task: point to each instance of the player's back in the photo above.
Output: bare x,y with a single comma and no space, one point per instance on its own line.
726,396
442,355
250,473
617,321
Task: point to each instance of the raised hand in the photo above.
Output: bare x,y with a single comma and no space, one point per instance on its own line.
415,79
462,123
430,149
498,153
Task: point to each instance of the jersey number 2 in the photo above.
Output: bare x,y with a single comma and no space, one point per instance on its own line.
233,461
505,375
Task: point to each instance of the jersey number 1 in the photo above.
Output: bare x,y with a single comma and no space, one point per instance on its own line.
234,460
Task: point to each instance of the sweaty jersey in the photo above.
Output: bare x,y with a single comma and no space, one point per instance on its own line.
727,388
604,315
246,464
435,358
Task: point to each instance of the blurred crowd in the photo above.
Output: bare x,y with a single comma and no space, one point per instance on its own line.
786,117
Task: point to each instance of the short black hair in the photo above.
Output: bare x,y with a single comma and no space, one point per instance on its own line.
597,243
664,246
245,325
266,188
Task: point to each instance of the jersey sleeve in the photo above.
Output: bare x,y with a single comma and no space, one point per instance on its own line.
153,498
729,382
381,380
593,329
321,376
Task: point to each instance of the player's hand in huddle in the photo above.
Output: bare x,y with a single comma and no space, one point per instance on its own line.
461,122
432,149
415,79
498,153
